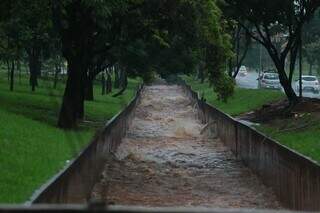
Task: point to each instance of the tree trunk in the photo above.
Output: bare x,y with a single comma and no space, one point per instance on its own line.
89,89
39,68
310,69
56,73
103,84
34,67
245,51
81,103
116,77
293,58
237,51
8,70
108,84
286,84
12,76
284,80
124,79
73,100
300,67
240,62
19,70
123,83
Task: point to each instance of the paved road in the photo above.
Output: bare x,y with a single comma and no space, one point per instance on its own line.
250,82
166,160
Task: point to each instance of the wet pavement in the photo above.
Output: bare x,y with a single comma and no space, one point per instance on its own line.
165,161
250,82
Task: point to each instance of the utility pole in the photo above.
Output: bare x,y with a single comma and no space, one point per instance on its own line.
260,52
238,48
260,65
300,66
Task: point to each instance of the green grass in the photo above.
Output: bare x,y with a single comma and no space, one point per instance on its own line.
32,148
243,100
303,140
31,152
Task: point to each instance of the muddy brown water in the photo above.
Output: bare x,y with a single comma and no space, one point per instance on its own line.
165,161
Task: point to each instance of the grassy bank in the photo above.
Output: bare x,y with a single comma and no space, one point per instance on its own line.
32,147
304,140
243,100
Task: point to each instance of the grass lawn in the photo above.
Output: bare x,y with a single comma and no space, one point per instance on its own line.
243,100
305,140
32,148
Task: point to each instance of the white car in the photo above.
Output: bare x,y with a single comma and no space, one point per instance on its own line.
269,81
310,83
243,71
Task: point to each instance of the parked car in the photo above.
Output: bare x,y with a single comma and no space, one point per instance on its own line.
243,71
269,80
310,83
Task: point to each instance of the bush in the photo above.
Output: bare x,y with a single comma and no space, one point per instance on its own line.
149,76
224,87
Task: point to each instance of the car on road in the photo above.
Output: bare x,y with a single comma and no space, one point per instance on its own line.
310,83
243,71
269,80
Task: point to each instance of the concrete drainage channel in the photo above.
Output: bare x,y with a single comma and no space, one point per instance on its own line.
294,179
74,183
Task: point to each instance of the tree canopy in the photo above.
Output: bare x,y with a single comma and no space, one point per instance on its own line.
139,37
267,22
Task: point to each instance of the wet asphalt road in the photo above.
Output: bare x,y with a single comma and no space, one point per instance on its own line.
250,82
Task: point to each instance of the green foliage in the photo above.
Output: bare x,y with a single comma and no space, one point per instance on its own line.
277,25
186,35
149,76
224,87
217,50
312,51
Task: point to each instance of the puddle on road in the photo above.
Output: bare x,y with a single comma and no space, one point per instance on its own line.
165,161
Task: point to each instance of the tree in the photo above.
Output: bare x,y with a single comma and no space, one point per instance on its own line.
273,20
190,35
108,82
217,49
242,42
10,37
27,30
36,25
132,34
80,24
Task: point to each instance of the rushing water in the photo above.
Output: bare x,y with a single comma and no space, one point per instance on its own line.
165,161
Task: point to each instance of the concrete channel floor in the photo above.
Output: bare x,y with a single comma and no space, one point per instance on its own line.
165,161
